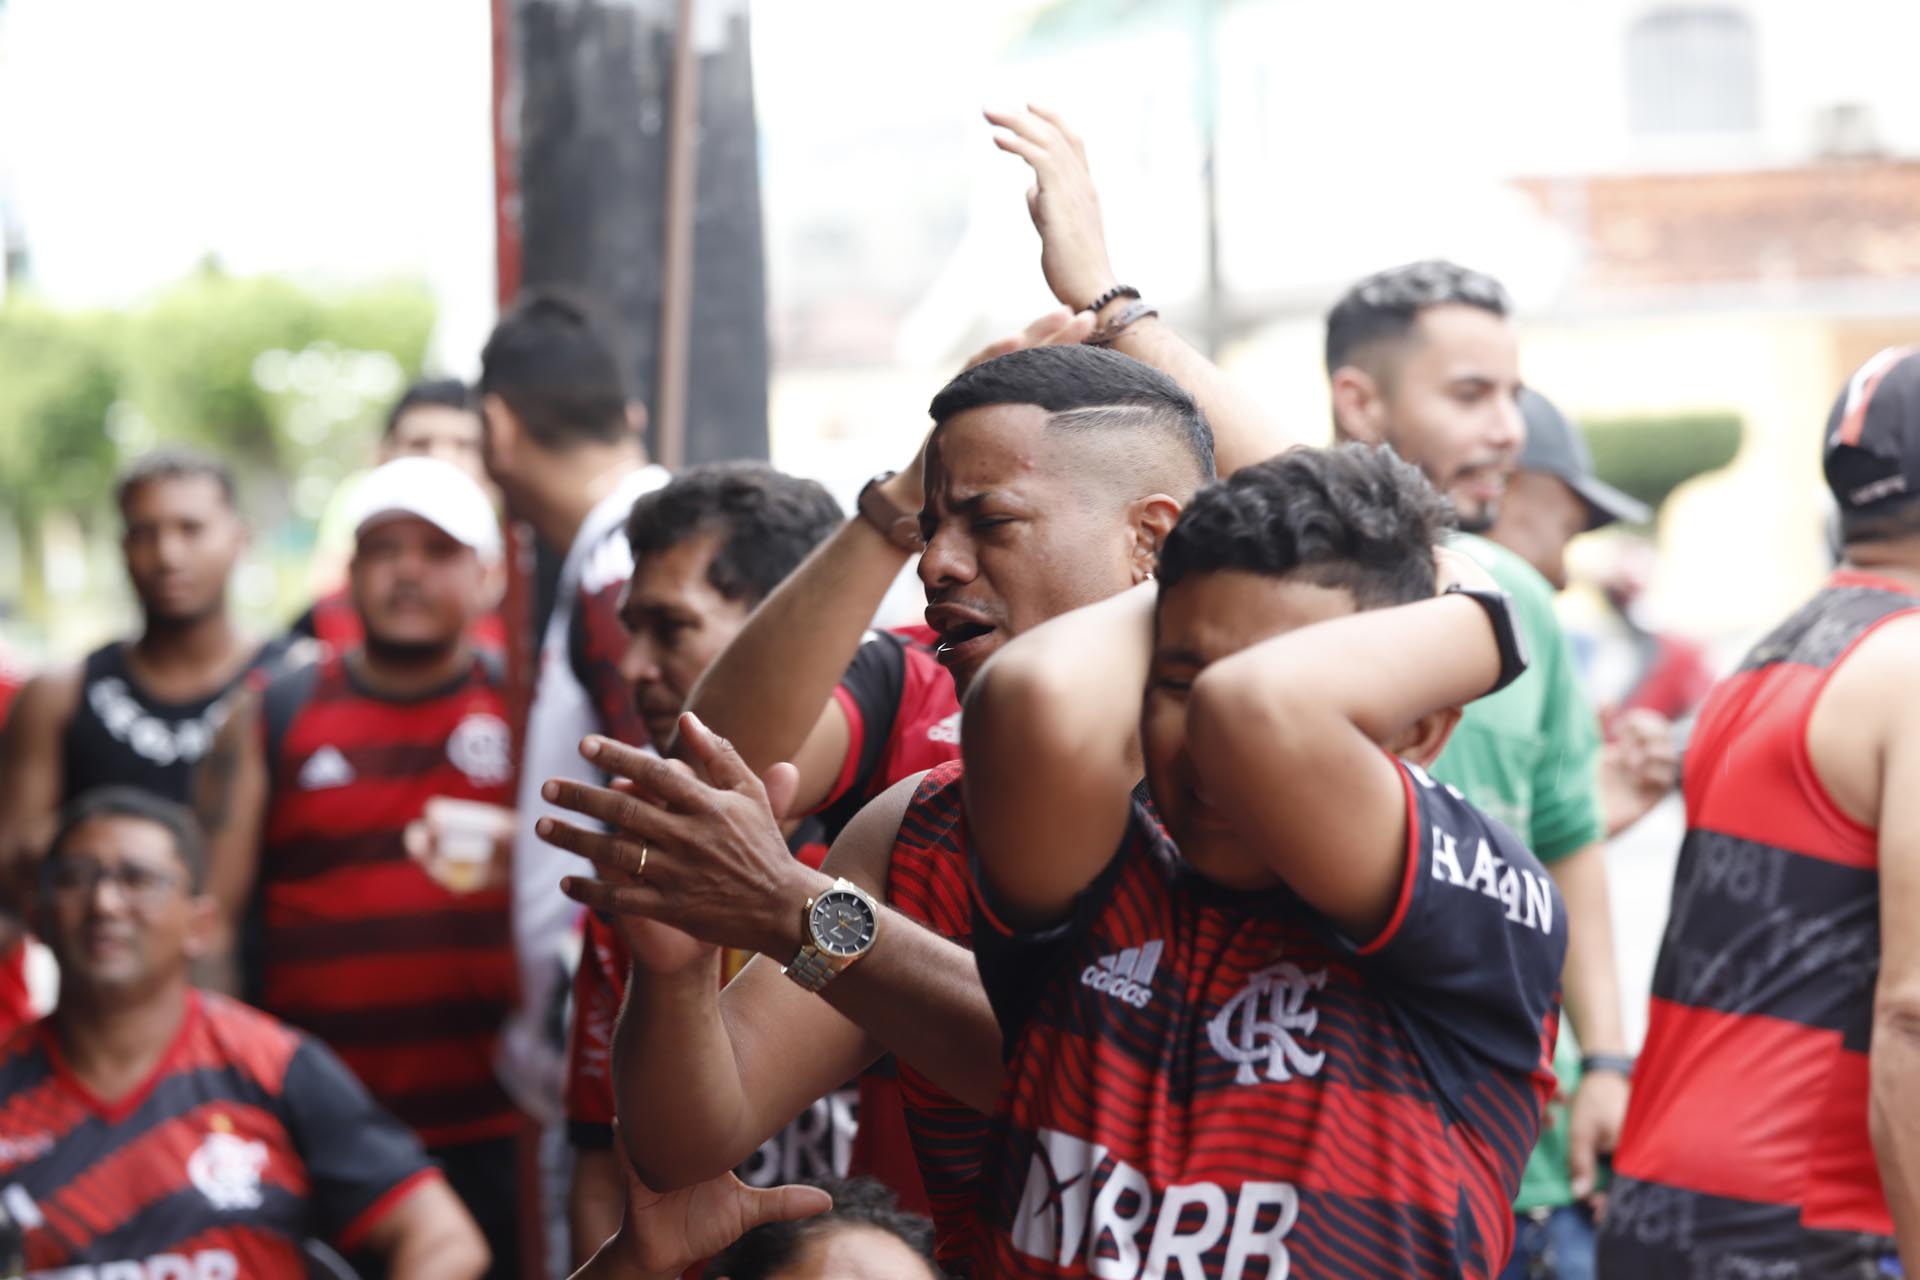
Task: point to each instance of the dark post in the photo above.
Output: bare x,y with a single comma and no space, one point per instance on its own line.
590,91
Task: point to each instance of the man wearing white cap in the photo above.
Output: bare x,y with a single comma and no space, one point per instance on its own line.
404,967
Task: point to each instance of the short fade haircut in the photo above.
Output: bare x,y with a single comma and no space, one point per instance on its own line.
550,362
766,520
120,801
445,393
1089,390
857,1202
1384,307
1353,516
174,462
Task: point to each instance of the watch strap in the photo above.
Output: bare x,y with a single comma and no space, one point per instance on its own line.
901,528
812,968
1506,632
1619,1063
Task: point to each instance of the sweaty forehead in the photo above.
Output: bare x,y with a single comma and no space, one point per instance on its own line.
996,447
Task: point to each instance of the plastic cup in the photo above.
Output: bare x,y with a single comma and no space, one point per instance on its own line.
463,841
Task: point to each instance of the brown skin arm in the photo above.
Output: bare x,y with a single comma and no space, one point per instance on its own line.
1065,209
230,799
1864,740
1592,985
32,773
430,1236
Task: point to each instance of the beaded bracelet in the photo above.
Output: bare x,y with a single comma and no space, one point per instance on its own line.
1118,291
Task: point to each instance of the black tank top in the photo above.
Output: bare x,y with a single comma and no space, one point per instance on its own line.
122,734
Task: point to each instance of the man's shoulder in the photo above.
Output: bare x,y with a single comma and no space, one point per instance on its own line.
240,1035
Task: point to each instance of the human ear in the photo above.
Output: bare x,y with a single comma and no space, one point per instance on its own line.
1151,519
1358,405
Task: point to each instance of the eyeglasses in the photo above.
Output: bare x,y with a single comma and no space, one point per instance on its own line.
81,877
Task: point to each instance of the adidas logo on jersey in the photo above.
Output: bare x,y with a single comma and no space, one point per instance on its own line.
325,768
947,730
1127,977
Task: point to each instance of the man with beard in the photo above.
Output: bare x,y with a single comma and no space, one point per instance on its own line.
141,712
1422,357
403,967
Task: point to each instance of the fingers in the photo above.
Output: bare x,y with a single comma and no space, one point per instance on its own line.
612,854
1053,118
651,775
637,815
1073,331
1581,1159
1042,330
781,1204
614,899
715,756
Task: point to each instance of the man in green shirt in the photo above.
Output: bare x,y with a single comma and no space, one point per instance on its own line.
1422,358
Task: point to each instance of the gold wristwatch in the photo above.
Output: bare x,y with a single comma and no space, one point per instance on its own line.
839,926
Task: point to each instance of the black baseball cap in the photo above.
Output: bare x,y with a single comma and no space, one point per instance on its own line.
1873,435
1555,447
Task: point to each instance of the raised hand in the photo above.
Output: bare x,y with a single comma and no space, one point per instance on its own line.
663,1233
1064,205
716,867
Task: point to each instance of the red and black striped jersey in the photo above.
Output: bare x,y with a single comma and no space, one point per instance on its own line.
245,1140
1747,1134
334,622
927,881
1217,1083
903,717
406,980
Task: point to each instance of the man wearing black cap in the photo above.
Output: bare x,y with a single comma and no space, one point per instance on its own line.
1775,1122
1555,495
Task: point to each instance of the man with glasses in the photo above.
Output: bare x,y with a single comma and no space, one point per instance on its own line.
148,1128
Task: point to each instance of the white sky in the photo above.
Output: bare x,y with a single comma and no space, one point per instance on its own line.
350,139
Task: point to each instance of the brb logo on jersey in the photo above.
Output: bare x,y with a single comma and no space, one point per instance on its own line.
1083,1204
481,748
226,1168
1259,1024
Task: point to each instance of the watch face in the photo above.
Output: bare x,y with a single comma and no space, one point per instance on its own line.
842,923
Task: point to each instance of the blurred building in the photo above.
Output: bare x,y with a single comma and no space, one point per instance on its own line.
1701,209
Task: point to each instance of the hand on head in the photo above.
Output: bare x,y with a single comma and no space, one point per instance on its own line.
1064,205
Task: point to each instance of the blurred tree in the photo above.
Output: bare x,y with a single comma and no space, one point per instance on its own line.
1651,457
289,384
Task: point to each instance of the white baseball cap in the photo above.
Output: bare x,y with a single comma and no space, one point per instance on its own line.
433,490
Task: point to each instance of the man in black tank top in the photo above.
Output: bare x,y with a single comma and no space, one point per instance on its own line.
140,712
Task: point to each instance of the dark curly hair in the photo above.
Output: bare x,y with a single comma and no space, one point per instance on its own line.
767,520
1384,306
857,1202
1352,516
1089,390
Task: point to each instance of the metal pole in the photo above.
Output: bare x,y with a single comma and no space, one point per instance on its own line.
676,265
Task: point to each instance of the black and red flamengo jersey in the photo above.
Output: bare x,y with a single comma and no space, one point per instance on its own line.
408,981
596,638
246,1139
1746,1150
903,717
1216,1084
927,881
334,622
